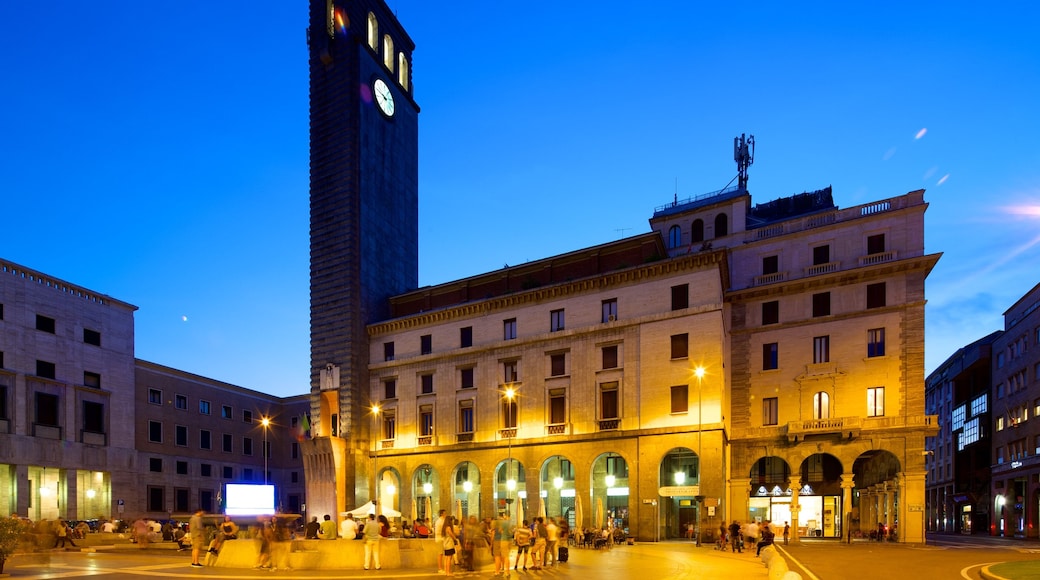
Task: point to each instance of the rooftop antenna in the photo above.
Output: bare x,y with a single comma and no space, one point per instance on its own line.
744,155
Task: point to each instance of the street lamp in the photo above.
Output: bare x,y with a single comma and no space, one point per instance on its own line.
699,373
510,430
375,450
265,422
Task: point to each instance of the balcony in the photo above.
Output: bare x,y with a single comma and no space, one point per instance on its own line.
610,425
464,438
46,431
770,278
92,438
425,440
386,444
879,258
845,427
557,429
509,433
817,269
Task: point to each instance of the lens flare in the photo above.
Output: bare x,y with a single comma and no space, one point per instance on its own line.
943,179
921,133
342,21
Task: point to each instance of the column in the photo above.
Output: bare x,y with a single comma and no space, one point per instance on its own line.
22,490
739,492
847,485
795,486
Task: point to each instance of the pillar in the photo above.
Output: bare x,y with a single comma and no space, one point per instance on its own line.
847,485
795,486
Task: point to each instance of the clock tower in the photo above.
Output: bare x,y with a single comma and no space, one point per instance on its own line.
364,219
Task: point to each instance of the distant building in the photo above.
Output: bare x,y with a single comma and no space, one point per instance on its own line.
88,431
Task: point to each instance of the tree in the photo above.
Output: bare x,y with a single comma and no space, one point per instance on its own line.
11,530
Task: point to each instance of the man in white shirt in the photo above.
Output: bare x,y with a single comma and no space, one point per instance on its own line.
552,536
438,526
348,528
751,533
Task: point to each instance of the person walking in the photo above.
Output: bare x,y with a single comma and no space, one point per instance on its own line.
552,536
372,537
522,538
503,535
787,532
198,537
736,541
751,533
64,534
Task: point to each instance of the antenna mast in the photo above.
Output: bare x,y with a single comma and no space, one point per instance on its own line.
744,155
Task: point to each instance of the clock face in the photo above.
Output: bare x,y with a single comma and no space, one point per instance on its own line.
384,98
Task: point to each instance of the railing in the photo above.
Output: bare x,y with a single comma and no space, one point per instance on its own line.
509,433
837,425
92,438
386,444
46,431
832,217
560,429
878,258
609,424
464,438
770,278
818,269
426,440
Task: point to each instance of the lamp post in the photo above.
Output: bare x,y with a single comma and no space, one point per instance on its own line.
265,422
375,451
510,430
699,373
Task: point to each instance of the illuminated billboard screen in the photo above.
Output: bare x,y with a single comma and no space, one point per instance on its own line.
249,500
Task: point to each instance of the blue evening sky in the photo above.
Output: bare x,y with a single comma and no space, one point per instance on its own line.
158,153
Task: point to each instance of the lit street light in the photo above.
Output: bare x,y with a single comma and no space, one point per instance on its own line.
699,373
265,422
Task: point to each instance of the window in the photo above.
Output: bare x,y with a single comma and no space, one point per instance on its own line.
388,52
182,469
771,312
390,389
1000,360
402,70
227,472
1000,455
608,401
821,304
876,402
674,237
426,344
46,409
696,231
226,443
509,413
821,349
680,296
156,499
557,406
770,356
46,369
770,406
247,416
610,357
91,337
426,384
876,295
226,412
92,380
426,420
466,424
247,474
180,402
465,336
155,464
294,450
876,244
373,31
680,345
181,435
44,323
609,310
821,255
204,407
770,265
206,469
821,405
680,398
3,402
466,378
390,424
1000,391
247,446
205,439
155,431
388,351
1000,423
876,342
558,364
721,225
294,477
93,417
510,372
509,329
556,322
155,396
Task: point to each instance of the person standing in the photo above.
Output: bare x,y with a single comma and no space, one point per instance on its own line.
328,528
198,537
502,536
540,536
372,538
751,533
787,532
450,541
522,538
552,536
736,542
438,526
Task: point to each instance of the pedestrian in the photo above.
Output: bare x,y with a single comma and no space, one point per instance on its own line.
198,537
767,538
736,541
787,532
552,536
310,531
751,533
437,525
450,541
280,546
373,537
522,538
264,535
539,534
880,532
503,535
64,534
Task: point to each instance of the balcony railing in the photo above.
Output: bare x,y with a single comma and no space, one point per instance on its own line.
844,426
46,431
386,444
92,438
609,425
557,429
425,440
770,278
878,258
818,269
509,433
464,438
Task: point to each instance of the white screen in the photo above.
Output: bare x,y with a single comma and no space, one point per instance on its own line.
249,500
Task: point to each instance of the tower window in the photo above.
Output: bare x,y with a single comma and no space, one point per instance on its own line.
402,71
674,237
721,225
556,321
426,344
680,399
770,356
609,310
509,329
373,31
697,231
388,52
876,244
821,255
680,345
